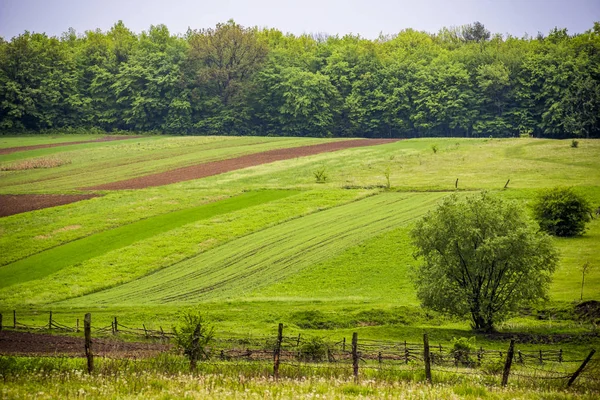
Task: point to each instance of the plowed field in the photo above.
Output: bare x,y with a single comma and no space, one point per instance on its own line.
15,204
222,166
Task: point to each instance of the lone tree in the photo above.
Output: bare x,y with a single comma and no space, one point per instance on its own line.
562,212
482,259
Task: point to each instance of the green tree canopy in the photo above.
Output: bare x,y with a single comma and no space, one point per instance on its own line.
562,212
482,258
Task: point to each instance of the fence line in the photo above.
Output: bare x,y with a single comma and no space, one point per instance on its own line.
363,354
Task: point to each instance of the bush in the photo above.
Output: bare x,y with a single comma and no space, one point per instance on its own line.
562,212
462,348
434,148
313,350
574,143
193,336
320,175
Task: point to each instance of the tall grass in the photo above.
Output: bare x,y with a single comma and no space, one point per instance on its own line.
168,377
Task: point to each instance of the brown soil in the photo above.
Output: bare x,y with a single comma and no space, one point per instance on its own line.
219,167
19,203
11,150
532,338
29,344
588,311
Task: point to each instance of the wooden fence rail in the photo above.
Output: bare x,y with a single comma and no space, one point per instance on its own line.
364,352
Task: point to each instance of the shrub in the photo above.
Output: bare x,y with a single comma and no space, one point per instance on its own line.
574,143
462,348
562,212
320,175
386,173
313,349
434,148
192,336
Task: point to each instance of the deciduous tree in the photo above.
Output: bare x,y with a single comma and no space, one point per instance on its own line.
482,258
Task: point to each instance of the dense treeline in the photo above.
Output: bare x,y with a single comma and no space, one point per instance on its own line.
247,81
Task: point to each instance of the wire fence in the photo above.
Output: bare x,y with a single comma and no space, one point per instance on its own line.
302,352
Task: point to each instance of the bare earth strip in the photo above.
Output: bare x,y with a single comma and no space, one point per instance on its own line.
220,167
19,203
29,344
11,150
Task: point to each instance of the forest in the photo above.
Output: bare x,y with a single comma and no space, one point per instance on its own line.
234,80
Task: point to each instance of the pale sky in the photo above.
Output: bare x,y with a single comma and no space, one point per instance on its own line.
365,17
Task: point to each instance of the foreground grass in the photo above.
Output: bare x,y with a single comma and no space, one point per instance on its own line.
167,377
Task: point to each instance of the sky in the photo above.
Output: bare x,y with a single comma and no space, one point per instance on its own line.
368,18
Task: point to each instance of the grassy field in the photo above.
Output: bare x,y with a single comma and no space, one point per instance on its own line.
167,377
269,244
96,163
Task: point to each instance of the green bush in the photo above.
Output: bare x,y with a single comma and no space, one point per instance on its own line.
562,212
313,349
193,336
320,175
574,143
462,349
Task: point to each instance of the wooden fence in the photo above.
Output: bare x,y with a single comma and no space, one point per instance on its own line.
355,355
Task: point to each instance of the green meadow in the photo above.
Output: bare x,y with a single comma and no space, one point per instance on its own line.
268,244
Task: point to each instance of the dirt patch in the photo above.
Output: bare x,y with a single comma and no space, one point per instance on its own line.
588,311
220,167
11,150
532,338
30,344
11,204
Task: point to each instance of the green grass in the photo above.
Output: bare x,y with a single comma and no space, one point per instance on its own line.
353,279
160,251
168,376
476,163
32,140
57,258
240,267
97,163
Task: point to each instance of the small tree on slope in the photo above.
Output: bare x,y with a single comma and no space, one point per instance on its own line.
482,258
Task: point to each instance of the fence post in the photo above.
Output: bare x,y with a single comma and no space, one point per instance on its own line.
344,344
50,321
277,352
298,346
379,358
145,331
520,357
508,363
87,327
541,357
581,367
560,356
427,358
0,322
405,353
479,356
77,326
14,319
355,356
116,326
